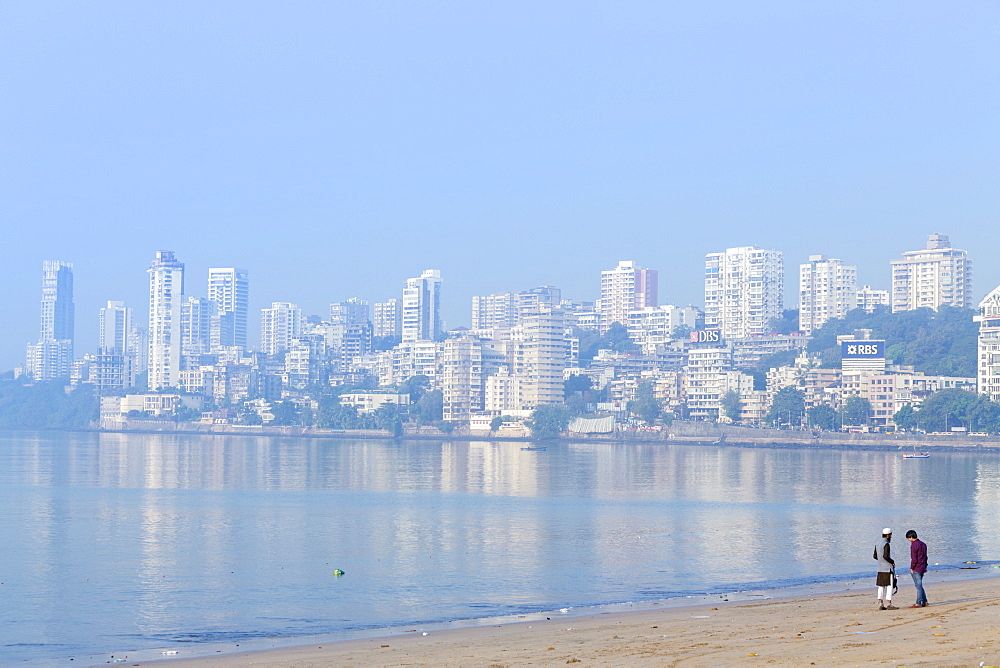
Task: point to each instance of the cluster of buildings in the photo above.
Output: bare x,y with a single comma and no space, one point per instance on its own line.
520,347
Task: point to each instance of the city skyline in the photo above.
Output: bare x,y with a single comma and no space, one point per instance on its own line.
507,146
351,308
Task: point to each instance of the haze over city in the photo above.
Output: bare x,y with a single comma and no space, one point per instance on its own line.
333,150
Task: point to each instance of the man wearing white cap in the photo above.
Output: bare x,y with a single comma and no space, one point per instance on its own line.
886,571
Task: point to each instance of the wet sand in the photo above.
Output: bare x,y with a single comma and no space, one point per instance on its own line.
961,627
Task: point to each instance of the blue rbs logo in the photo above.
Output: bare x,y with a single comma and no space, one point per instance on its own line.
850,349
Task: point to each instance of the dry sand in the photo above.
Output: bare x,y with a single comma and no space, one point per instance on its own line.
961,627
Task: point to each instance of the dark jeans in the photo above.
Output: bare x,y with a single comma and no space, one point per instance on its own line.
918,582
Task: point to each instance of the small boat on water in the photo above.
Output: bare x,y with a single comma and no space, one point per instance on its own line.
540,447
915,454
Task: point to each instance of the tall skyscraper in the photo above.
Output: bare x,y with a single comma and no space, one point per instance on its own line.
229,288
626,288
743,290
52,356
539,358
114,328
199,323
387,319
828,288
280,325
936,275
166,293
421,307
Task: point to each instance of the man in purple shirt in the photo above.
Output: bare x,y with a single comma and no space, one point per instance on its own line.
918,566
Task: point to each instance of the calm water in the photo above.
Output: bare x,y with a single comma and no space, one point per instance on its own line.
123,542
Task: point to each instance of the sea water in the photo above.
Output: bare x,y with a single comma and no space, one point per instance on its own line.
116,543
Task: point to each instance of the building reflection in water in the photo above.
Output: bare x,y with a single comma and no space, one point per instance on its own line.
221,536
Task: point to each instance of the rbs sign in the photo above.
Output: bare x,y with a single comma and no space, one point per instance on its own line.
705,336
862,349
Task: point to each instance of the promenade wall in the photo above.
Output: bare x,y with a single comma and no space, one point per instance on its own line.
694,433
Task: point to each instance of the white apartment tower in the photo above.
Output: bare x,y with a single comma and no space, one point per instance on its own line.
743,290
52,356
626,288
988,360
280,326
936,275
496,311
166,293
387,318
828,288
539,358
229,288
199,326
421,307
114,328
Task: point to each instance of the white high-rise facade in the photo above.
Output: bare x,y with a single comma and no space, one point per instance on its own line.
421,307
387,318
52,356
743,290
496,311
280,325
199,322
988,363
229,288
114,328
539,358
828,288
932,277
626,288
166,293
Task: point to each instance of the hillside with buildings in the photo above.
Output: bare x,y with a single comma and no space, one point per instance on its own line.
847,357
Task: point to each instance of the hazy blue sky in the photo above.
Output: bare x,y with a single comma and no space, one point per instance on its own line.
334,148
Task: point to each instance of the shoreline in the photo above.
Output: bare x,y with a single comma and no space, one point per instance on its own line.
955,592
703,434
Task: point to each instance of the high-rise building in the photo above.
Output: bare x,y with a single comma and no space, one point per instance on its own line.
166,293
421,307
114,366
988,374
52,356
114,328
533,300
539,358
229,288
932,277
869,298
743,290
352,311
199,320
496,311
280,325
828,288
387,319
626,288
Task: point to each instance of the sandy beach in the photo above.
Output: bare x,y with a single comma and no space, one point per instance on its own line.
961,627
